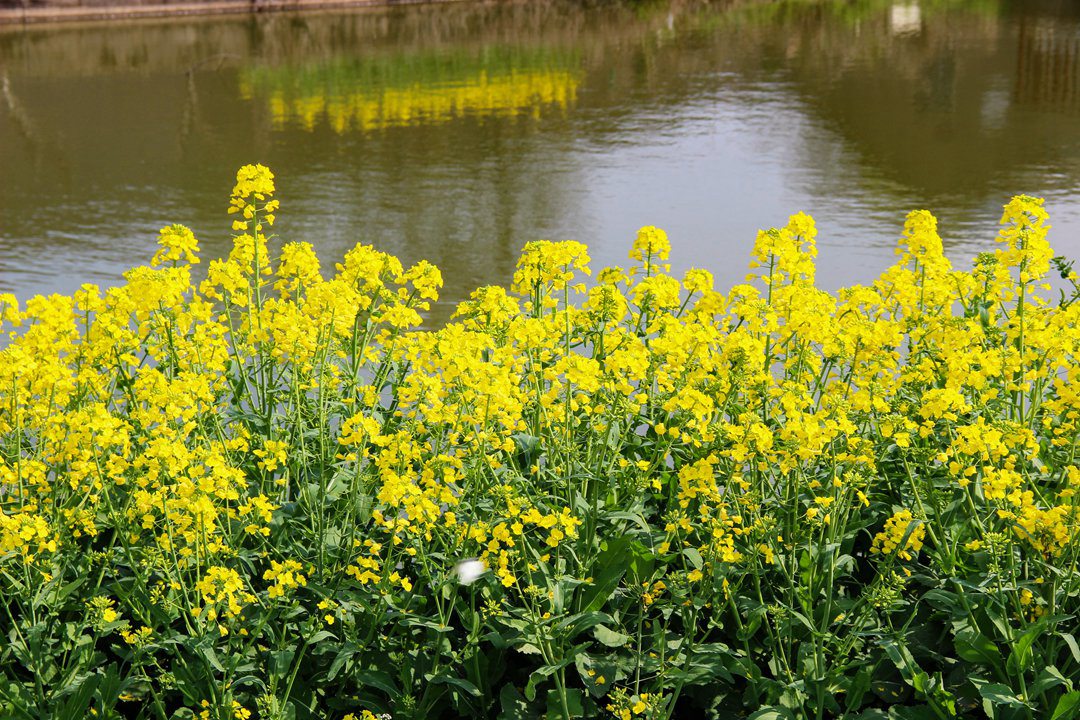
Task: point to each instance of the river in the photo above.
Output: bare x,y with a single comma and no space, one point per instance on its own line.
458,132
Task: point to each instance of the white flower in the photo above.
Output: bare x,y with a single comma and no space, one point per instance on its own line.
468,571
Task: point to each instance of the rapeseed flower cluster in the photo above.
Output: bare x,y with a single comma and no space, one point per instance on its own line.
276,494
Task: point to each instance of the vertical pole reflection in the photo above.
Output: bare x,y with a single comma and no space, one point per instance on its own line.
1048,64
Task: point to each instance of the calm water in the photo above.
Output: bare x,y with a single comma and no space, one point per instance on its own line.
458,132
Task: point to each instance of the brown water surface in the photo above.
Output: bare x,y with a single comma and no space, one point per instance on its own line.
456,133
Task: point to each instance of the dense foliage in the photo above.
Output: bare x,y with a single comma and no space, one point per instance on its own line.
274,496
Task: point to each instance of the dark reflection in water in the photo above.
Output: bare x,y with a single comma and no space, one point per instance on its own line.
458,132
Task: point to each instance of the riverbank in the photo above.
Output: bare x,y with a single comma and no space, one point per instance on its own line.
110,10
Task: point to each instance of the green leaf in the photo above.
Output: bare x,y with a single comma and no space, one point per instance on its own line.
376,679
632,517
574,705
905,662
1020,658
513,705
207,651
774,712
609,637
17,697
1050,677
1071,642
64,591
496,640
279,662
429,624
976,647
941,600
528,448
694,557
1068,707
752,622
453,681
858,688
319,637
528,649
911,712
108,692
707,663
540,673
643,560
803,620
80,694
999,694
574,625
344,655
338,484
598,676
610,566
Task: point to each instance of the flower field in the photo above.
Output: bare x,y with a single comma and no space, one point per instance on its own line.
274,495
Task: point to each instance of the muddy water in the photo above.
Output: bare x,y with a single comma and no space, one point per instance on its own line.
456,133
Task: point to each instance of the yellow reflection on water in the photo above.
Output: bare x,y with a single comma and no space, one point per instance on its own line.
482,95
